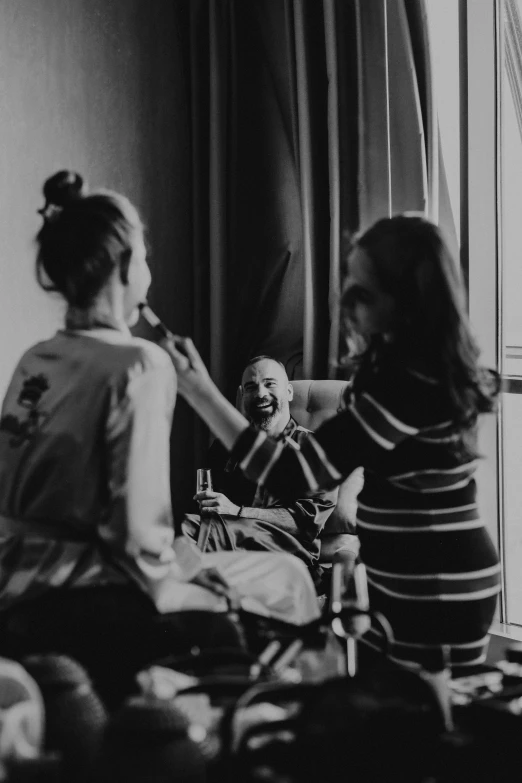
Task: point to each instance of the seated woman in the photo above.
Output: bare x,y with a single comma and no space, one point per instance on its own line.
87,550
411,422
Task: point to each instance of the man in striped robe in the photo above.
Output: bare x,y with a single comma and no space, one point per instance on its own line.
250,517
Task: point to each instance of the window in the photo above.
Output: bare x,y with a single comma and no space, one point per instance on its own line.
476,52
511,306
491,235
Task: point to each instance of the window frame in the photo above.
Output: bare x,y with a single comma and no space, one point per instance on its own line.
481,57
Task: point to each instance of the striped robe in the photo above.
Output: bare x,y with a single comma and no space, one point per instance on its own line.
432,568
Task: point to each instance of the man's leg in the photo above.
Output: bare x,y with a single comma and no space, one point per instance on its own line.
250,535
218,540
190,526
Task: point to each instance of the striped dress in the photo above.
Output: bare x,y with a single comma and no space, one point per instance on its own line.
432,569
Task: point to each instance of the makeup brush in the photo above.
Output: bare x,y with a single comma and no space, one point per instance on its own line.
156,323
161,330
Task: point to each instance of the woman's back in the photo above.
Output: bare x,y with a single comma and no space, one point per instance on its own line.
83,438
64,408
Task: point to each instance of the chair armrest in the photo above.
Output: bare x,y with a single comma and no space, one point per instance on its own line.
337,542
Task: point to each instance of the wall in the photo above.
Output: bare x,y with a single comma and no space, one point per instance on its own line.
96,86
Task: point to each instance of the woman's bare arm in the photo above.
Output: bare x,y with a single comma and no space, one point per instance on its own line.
200,391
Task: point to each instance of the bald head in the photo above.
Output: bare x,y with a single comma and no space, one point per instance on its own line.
266,394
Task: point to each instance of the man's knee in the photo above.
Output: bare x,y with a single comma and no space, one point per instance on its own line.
190,526
292,565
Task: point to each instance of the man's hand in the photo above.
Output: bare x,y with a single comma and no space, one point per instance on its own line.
216,501
211,579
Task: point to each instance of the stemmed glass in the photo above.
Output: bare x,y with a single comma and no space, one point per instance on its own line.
203,482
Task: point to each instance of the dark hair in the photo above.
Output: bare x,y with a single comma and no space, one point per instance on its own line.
83,238
414,265
261,358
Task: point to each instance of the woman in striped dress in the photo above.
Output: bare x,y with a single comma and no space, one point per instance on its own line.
410,420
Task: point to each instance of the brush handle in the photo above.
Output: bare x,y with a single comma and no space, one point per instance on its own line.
153,320
161,330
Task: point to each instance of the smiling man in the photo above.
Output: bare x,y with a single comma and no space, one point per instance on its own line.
266,393
251,518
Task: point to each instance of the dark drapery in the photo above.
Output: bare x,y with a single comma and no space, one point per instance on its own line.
261,199
307,121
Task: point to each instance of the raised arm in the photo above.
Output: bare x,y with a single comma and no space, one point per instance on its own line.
375,422
300,470
197,387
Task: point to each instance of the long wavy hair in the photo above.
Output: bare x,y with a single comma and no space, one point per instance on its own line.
414,265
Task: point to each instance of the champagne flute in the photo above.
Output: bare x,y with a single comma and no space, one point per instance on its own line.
203,482
203,479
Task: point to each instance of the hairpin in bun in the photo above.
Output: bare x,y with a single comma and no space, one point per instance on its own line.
61,189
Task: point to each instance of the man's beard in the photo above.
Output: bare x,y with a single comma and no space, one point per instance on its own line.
265,419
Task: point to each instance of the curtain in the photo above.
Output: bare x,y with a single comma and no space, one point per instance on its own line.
261,182
308,120
383,140
513,55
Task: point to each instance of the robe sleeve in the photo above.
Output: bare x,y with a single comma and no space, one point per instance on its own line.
140,527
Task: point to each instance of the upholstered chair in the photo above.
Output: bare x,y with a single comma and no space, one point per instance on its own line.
314,402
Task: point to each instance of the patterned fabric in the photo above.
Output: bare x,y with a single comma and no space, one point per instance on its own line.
299,520
432,568
84,468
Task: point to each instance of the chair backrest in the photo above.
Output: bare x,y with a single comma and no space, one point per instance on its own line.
314,402
317,401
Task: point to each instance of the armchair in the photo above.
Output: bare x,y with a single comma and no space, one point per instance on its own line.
314,402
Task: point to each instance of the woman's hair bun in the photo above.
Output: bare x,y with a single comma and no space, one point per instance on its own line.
62,188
